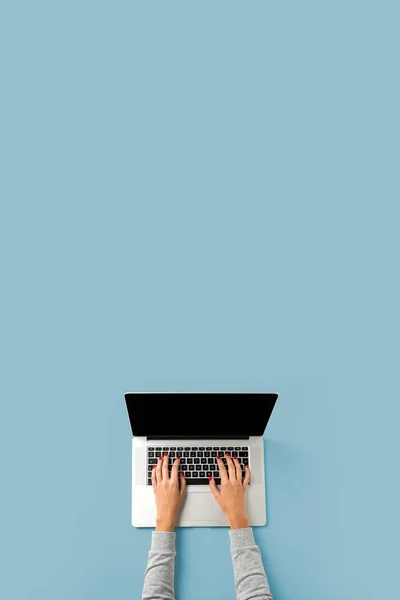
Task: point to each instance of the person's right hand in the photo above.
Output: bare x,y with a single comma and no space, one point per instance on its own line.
232,496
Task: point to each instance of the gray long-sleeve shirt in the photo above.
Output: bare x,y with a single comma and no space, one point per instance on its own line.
250,578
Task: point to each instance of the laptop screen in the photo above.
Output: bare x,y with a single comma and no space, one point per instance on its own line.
199,415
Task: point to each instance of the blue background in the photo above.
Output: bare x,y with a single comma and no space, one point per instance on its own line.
199,196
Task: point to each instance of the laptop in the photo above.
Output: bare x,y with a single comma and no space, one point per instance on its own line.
197,427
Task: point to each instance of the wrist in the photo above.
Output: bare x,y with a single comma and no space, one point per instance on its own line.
238,522
165,524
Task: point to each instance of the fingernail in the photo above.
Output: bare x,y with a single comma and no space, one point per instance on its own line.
160,458
227,454
154,466
210,478
178,458
218,458
182,475
247,466
235,457
165,453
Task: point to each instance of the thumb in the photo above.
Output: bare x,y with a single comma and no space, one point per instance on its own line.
183,485
214,489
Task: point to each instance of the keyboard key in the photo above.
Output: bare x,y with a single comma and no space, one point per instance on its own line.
150,468
245,461
200,454
172,454
188,475
209,473
196,461
184,468
183,461
149,481
209,448
158,453
186,454
238,448
212,467
193,454
172,449
230,448
201,481
151,454
165,449
223,448
194,448
207,453
158,448
191,467
198,467
180,448
214,454
202,474
244,454
195,474
152,461
203,461
189,461
201,448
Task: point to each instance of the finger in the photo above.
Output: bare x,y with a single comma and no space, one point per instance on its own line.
246,477
158,470
214,489
231,467
222,470
165,474
175,469
239,472
154,475
183,484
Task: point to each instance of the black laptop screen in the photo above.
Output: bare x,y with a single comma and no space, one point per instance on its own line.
199,415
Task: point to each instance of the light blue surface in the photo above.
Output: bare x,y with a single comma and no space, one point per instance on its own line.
199,196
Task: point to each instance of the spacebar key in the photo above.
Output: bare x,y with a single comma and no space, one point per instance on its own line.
198,481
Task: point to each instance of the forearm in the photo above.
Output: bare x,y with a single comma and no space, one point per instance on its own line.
159,575
250,578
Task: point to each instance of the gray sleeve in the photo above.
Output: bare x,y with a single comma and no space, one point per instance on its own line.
159,575
250,578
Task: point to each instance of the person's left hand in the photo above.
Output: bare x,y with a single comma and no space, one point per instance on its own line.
168,492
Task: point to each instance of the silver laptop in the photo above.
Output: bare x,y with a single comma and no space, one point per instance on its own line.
197,427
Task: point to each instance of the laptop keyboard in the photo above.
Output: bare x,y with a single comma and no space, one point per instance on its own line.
197,463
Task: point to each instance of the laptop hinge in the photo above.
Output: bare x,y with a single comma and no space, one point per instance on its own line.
198,437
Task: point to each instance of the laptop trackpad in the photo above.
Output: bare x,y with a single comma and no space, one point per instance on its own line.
201,507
